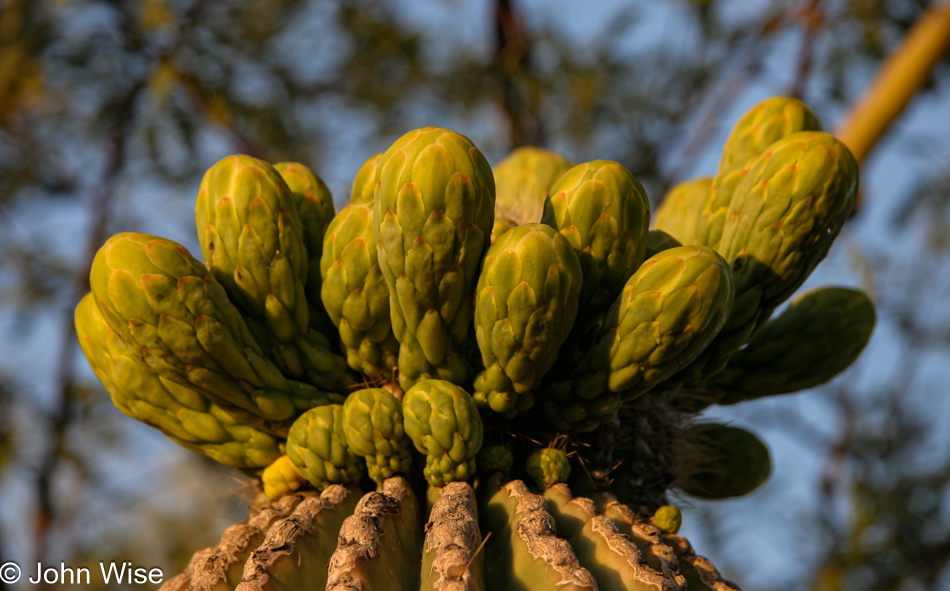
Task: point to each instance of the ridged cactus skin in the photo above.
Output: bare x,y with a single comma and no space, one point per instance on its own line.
373,424
380,545
620,554
604,213
317,447
169,309
433,215
525,305
345,539
444,424
522,181
181,413
768,122
784,217
820,335
697,571
731,462
669,311
548,466
524,545
222,566
449,561
253,239
354,292
296,548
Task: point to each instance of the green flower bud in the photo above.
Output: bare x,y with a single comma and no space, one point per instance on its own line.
783,219
761,126
432,219
170,311
525,305
280,478
501,226
604,213
669,311
768,122
821,333
658,241
317,447
668,519
253,239
315,208
546,467
681,211
373,424
184,414
364,185
522,181
355,294
495,458
443,422
731,462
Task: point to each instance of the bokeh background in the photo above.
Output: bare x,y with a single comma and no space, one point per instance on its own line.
110,110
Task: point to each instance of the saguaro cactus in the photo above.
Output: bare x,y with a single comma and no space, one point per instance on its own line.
477,444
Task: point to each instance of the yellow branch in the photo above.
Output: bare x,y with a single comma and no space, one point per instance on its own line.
904,72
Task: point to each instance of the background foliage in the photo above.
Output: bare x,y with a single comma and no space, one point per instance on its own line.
111,109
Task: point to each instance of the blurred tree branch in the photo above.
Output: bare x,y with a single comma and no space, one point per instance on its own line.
123,124
64,411
900,77
812,14
520,92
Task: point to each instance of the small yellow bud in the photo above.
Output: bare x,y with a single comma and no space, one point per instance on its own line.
668,519
281,478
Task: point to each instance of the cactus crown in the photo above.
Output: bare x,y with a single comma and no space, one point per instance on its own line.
378,347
